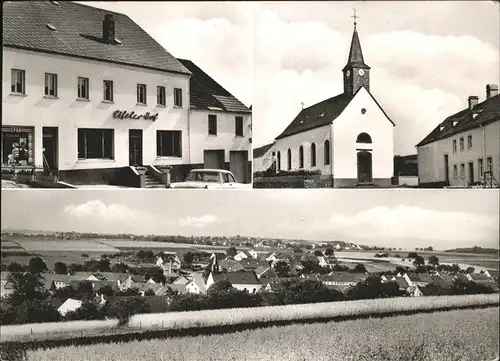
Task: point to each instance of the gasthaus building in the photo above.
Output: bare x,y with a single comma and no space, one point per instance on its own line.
90,96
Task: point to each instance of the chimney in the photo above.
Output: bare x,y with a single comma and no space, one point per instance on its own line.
491,90
473,100
108,28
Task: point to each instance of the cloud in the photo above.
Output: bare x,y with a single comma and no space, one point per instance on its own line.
99,210
200,222
404,225
418,77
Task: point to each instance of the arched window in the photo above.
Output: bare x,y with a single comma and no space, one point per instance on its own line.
327,151
313,155
301,157
364,138
289,153
279,161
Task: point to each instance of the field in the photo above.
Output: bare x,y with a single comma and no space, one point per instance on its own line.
468,335
245,316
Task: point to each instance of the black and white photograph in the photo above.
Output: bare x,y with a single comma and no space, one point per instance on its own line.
111,94
250,181
377,94
134,275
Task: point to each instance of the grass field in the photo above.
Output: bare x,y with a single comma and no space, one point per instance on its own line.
239,316
463,335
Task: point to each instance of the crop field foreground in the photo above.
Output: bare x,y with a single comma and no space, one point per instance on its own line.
460,335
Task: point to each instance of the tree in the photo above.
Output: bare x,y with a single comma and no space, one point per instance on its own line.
119,268
318,253
15,267
158,276
372,288
75,267
104,265
219,286
37,265
412,255
307,291
149,292
85,255
429,249
470,270
87,311
419,261
282,268
360,268
126,307
455,268
329,252
188,257
107,290
433,260
60,268
145,255
231,252
84,290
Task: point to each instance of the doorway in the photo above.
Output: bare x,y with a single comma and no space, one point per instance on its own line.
446,170
471,172
364,167
135,147
50,148
238,165
213,159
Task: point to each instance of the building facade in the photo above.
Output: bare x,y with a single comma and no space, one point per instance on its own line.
91,96
348,138
464,149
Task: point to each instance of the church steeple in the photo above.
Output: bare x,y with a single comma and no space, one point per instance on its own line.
356,72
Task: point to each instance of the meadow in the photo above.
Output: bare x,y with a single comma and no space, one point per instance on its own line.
462,335
246,316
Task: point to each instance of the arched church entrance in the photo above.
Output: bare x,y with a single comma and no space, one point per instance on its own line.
364,167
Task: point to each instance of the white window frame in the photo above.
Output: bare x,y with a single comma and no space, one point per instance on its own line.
18,76
83,88
112,90
462,144
50,85
142,97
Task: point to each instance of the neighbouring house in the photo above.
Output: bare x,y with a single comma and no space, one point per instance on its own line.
54,282
463,149
132,281
387,278
265,272
417,279
240,280
251,264
415,291
169,262
402,283
182,280
338,279
167,290
493,274
264,158
310,258
6,288
230,265
69,305
482,279
348,138
246,254
276,257
329,262
149,286
197,284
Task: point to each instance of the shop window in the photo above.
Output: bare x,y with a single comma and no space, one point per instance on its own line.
95,143
169,143
17,146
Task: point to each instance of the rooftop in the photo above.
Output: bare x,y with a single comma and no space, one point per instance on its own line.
79,33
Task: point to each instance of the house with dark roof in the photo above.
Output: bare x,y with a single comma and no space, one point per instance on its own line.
112,105
220,126
463,150
246,254
348,138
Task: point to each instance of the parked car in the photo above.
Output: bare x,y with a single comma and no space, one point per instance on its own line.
209,179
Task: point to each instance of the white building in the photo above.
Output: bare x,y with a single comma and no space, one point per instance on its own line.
89,95
464,149
348,138
243,281
264,158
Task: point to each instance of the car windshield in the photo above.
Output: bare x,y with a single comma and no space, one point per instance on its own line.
203,177
228,178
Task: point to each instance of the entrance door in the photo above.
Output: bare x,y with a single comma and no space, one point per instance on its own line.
213,159
50,146
238,165
471,172
446,170
364,167
135,147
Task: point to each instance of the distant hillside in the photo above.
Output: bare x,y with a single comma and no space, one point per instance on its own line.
474,249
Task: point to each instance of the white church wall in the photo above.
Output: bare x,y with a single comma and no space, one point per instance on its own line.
346,129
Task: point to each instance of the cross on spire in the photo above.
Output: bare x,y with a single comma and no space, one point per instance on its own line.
355,17
302,103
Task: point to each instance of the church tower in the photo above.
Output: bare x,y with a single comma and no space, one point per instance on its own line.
356,72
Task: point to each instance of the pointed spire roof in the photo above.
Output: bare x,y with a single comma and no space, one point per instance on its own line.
355,53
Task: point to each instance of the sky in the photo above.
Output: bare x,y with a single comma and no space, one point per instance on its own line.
442,219
426,57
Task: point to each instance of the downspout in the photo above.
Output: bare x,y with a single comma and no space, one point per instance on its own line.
331,154
484,153
189,121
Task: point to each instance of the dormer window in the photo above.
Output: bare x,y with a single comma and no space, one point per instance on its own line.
51,27
455,122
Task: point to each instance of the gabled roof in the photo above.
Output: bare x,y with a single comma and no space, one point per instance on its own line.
207,94
479,277
251,263
79,34
237,278
231,265
259,152
402,283
488,111
199,281
338,277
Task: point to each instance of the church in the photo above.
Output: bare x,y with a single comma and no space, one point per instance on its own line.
349,138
